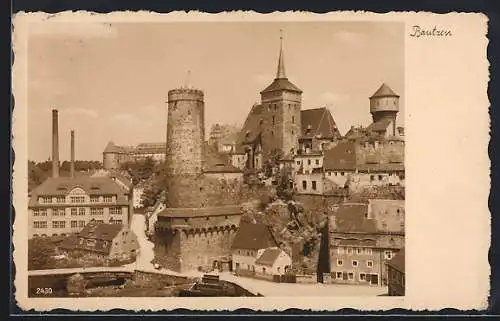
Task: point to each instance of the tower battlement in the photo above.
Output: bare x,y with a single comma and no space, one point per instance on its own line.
185,94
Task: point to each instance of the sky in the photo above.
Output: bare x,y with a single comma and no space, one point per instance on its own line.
110,82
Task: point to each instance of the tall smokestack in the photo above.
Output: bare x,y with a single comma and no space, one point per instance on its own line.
72,153
55,143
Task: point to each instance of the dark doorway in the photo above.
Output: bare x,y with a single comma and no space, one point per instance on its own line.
374,279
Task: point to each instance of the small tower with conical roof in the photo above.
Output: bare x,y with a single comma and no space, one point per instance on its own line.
281,102
384,105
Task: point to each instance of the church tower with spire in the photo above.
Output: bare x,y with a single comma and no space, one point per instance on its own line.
281,105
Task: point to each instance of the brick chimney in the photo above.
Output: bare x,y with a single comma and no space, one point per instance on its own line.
55,143
72,168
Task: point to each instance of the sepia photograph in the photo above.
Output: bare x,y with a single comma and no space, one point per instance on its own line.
227,158
206,159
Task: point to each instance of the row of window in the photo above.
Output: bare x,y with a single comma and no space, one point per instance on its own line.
388,254
75,199
247,253
308,162
73,224
354,250
275,106
355,263
343,275
336,173
77,211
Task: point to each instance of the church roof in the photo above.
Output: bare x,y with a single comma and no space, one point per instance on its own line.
384,91
281,84
251,128
320,122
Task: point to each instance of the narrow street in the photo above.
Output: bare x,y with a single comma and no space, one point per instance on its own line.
146,253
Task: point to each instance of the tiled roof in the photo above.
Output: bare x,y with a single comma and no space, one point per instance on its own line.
251,128
112,148
114,174
105,232
397,167
145,148
384,91
200,212
91,185
340,157
388,214
355,242
379,126
269,256
253,237
320,121
281,84
376,216
102,234
398,261
351,218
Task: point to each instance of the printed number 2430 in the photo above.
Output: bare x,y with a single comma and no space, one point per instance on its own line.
43,291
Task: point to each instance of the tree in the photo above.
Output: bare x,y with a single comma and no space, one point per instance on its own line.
272,161
283,189
40,253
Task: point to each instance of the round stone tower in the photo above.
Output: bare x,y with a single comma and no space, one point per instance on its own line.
185,146
384,105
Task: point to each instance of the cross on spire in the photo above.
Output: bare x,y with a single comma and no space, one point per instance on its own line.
281,62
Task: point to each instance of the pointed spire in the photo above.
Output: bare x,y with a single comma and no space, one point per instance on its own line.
281,63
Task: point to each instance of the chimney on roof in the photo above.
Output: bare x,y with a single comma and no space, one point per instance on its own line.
72,168
55,143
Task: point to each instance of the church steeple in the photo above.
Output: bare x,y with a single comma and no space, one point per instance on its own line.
281,62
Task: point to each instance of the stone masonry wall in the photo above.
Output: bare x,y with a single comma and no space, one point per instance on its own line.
202,249
185,132
167,249
283,133
386,152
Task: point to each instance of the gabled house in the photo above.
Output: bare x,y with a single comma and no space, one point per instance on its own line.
106,241
363,237
249,239
272,261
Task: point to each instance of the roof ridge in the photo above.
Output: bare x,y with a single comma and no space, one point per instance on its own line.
314,108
